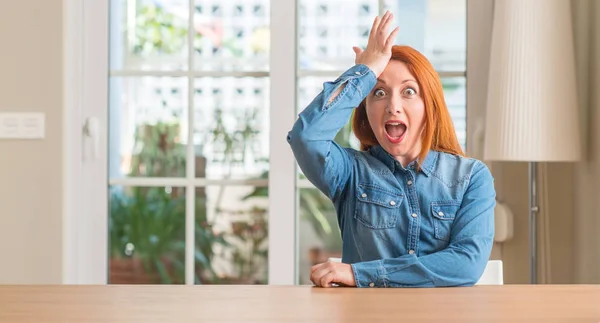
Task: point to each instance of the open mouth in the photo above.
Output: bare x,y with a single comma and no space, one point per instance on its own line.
395,131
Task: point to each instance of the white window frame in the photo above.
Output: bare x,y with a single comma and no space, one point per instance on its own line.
85,190
85,231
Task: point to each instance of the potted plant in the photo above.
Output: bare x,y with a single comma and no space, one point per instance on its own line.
147,224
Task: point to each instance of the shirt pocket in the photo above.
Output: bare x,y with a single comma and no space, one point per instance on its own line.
443,213
376,207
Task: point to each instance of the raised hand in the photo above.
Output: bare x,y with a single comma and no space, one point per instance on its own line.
379,47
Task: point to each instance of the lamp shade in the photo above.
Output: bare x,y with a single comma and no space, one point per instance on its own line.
532,109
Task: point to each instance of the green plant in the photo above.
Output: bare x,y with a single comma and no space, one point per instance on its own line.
314,206
148,223
158,151
248,244
157,31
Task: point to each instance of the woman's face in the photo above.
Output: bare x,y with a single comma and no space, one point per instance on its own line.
396,112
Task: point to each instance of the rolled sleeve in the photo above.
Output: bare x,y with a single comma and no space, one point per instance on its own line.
369,274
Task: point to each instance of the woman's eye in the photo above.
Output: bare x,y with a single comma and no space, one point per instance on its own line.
379,93
410,91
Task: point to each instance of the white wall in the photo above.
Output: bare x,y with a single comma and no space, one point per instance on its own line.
31,171
586,247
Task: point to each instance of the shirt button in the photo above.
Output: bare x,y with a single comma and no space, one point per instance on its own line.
414,215
441,213
409,182
364,195
371,284
392,203
410,252
357,73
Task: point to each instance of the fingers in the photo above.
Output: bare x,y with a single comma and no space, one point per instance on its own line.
380,28
357,52
319,272
390,41
385,23
385,20
375,26
323,278
327,279
316,267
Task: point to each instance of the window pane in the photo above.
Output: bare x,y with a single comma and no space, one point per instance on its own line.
148,126
320,236
232,35
232,127
328,30
147,235
149,34
437,28
232,235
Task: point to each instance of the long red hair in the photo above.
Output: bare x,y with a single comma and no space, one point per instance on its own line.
439,133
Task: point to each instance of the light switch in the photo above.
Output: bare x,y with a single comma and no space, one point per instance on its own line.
22,125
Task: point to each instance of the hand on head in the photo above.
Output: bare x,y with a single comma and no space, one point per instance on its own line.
379,47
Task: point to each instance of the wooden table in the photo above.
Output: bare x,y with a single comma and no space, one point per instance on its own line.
508,303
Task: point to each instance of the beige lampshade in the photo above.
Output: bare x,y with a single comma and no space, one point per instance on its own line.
532,108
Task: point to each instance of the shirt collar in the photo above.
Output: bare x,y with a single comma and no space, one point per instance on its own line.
385,157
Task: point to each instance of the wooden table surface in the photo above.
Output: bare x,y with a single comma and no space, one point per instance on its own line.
114,303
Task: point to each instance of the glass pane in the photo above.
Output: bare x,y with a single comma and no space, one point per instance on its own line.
232,35
455,93
146,235
232,127
328,29
319,231
437,28
149,34
232,235
148,126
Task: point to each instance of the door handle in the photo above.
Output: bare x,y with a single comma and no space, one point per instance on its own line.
91,129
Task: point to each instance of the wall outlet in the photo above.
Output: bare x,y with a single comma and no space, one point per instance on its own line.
22,125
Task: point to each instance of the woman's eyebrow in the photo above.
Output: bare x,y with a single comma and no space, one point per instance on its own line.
407,80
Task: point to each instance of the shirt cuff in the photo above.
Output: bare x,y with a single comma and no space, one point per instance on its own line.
369,274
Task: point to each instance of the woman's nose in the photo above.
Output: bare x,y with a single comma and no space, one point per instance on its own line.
395,105
394,108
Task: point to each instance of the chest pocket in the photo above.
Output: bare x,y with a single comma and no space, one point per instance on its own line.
443,213
377,208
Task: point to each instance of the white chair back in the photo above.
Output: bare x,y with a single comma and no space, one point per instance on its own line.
493,274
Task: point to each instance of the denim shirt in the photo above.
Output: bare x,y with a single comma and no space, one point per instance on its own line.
400,227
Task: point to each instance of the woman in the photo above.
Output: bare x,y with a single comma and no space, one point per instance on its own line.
413,211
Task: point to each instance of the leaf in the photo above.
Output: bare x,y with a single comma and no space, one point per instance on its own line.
200,257
162,271
314,210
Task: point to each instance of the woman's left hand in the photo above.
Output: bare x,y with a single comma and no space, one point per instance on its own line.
328,273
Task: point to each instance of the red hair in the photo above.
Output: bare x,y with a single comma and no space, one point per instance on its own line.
439,133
